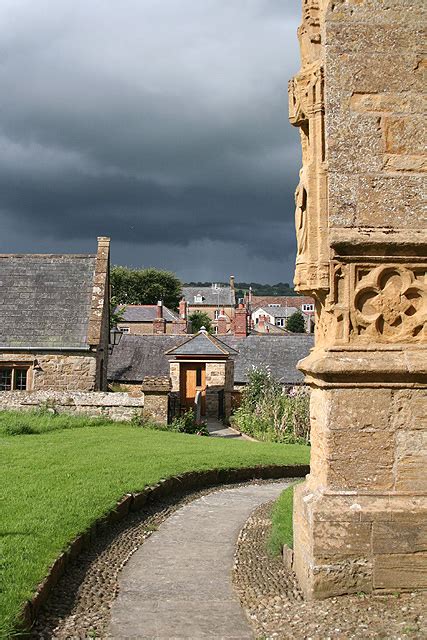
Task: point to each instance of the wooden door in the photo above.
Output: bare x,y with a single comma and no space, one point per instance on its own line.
192,380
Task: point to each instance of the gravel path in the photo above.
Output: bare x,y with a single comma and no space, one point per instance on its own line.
273,602
178,584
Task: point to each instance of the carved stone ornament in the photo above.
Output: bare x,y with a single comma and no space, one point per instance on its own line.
390,305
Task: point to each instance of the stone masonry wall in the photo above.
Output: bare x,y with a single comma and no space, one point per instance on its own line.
57,371
114,406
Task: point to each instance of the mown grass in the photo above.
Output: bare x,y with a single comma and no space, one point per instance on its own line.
282,522
57,480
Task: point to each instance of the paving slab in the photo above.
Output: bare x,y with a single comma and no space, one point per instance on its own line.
178,585
219,430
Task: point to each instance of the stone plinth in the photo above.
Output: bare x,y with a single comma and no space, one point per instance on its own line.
360,517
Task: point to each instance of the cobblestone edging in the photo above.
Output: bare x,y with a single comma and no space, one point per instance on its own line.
134,502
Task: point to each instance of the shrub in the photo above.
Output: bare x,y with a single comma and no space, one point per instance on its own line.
186,423
296,323
267,412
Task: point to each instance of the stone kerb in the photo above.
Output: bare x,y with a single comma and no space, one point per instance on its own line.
115,406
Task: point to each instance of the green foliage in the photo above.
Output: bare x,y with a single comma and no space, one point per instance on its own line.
200,319
54,485
282,522
295,323
268,413
186,423
145,286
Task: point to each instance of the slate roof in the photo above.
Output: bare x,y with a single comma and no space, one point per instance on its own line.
139,356
211,297
280,353
280,312
45,300
202,344
144,313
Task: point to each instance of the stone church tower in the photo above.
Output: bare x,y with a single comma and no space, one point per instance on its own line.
360,517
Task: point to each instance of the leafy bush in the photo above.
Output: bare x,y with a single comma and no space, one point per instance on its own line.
186,423
267,412
296,323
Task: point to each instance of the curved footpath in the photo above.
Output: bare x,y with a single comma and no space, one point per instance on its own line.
179,583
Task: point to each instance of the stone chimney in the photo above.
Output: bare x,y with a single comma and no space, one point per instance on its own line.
232,282
181,325
159,324
98,322
240,323
222,323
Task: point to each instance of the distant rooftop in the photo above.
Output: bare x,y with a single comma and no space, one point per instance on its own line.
209,296
144,313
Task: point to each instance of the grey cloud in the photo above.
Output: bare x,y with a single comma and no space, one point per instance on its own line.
162,123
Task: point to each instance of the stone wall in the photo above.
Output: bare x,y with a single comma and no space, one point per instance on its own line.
64,371
114,406
362,247
156,398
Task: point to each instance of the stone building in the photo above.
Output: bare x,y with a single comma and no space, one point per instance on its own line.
54,328
215,300
359,519
146,319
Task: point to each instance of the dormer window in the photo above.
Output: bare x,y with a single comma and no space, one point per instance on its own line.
274,305
198,298
308,307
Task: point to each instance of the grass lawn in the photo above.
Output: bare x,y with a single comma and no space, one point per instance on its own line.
281,521
55,482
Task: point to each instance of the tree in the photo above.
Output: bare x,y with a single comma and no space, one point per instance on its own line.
145,286
296,323
200,319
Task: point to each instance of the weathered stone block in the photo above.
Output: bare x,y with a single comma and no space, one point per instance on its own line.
334,540
400,571
399,537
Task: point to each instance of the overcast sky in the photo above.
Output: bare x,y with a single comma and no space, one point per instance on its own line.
162,123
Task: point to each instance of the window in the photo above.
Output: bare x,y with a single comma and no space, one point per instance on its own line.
216,314
198,299
307,307
6,379
13,378
274,305
124,329
280,322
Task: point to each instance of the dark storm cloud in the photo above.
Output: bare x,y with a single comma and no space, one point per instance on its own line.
160,122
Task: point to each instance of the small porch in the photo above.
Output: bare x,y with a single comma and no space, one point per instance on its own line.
202,375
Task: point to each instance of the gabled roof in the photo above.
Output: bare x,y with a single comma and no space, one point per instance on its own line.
144,313
224,296
202,344
45,300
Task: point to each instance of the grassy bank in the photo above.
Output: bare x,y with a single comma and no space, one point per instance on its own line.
57,479
281,520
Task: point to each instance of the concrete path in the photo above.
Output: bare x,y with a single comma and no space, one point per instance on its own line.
178,584
218,430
